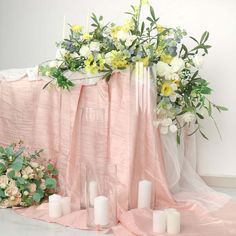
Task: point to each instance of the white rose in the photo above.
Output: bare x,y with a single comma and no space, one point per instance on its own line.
130,40
94,46
108,58
122,35
188,117
3,181
173,128
84,51
164,130
166,122
162,68
198,61
177,64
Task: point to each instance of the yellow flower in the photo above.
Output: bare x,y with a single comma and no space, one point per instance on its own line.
87,36
76,28
115,30
145,61
101,61
166,58
92,68
160,28
129,25
166,89
118,60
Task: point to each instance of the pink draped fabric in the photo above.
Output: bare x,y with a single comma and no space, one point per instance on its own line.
55,121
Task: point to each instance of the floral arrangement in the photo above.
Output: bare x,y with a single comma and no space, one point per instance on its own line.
181,91
25,179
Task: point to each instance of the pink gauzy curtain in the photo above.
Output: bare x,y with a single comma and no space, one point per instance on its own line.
63,124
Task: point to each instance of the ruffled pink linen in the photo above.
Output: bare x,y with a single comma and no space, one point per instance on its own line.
57,121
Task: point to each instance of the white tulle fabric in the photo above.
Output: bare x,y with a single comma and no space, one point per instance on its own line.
181,172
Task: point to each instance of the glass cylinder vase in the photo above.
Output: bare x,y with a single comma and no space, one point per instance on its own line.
101,196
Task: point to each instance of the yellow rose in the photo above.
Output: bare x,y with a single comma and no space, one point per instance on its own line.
76,28
166,89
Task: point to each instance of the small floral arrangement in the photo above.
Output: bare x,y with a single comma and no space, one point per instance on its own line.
181,91
25,178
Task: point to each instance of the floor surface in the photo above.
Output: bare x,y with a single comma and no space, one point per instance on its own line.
12,224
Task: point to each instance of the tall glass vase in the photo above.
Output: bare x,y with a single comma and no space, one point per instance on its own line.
142,138
93,143
101,196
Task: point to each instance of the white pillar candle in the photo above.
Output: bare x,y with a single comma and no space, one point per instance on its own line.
167,210
101,211
173,222
54,209
144,194
93,192
54,197
54,206
66,205
159,222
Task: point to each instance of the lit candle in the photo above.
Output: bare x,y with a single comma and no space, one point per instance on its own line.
64,27
54,206
93,192
159,222
66,205
144,194
173,222
101,211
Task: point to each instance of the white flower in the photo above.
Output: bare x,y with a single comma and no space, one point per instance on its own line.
94,46
174,86
173,128
122,35
188,117
162,68
177,64
108,58
173,97
172,76
54,63
164,130
3,181
84,51
166,122
198,61
130,40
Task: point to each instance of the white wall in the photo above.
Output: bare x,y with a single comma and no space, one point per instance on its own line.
29,28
